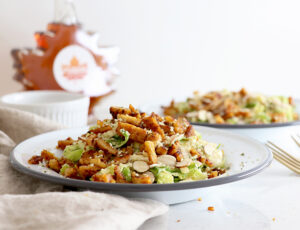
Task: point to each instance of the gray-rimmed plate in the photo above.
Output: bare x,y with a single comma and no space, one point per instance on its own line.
245,156
157,108
261,132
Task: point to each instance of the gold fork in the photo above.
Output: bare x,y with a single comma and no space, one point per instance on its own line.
284,157
297,136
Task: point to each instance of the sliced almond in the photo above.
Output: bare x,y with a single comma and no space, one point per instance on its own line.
167,160
183,163
184,169
137,157
209,149
151,175
140,166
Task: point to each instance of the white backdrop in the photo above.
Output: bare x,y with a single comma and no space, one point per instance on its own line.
171,47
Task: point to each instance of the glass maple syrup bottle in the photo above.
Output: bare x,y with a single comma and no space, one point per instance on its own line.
67,58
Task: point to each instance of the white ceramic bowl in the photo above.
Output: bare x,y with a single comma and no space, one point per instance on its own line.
68,109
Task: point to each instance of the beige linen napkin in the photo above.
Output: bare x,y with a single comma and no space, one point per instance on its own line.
28,203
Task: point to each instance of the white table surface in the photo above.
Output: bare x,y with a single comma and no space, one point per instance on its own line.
268,200
248,204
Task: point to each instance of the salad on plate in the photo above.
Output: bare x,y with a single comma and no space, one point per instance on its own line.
229,107
133,147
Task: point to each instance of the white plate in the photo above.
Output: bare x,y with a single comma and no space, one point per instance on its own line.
261,132
245,156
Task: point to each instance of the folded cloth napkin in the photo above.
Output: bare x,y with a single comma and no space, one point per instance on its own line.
28,203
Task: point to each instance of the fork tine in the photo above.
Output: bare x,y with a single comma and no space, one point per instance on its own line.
285,164
289,155
282,154
296,141
285,158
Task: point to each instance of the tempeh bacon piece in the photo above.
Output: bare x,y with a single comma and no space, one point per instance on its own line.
86,171
151,123
106,147
54,164
63,143
129,119
136,133
34,160
141,179
150,150
121,159
154,137
114,111
45,154
161,150
107,178
119,176
180,125
189,132
102,129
